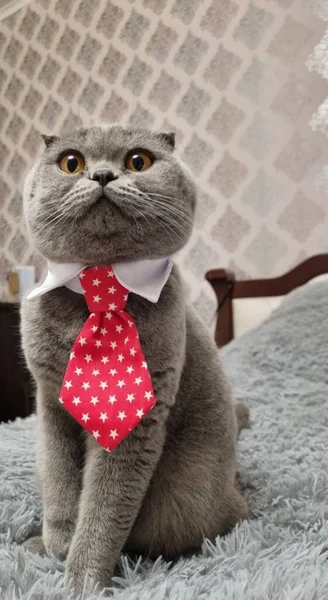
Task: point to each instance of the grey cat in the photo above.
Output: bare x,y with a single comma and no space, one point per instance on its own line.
99,196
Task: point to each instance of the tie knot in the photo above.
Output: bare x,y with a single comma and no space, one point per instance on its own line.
102,291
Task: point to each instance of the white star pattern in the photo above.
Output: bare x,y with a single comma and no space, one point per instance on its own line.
107,386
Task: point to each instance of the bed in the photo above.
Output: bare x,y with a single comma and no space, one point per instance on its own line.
243,304
280,369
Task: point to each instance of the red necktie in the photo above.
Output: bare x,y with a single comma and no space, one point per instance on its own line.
107,386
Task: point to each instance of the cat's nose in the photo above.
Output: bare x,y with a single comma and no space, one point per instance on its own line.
103,177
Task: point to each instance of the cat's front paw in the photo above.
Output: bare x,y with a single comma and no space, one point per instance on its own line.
79,583
82,576
35,544
57,539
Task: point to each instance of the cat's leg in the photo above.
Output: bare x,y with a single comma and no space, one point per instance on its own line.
114,486
190,498
59,465
193,493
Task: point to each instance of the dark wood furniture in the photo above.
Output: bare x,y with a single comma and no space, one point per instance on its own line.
227,288
16,388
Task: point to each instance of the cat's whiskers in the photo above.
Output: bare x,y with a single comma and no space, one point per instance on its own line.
138,225
66,209
61,216
163,216
61,211
179,221
156,199
164,220
139,203
148,206
170,207
167,226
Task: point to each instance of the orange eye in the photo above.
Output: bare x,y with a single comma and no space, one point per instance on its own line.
138,161
72,163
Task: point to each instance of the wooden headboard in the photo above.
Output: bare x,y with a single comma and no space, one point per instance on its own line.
227,288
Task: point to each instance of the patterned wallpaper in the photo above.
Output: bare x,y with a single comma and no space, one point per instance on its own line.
228,76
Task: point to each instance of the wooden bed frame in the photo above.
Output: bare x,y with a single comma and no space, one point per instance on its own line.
227,288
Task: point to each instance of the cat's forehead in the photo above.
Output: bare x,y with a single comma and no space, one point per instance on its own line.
101,141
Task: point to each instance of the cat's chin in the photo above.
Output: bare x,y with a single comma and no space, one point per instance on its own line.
107,209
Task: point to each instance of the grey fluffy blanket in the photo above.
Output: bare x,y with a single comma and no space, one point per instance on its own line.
281,371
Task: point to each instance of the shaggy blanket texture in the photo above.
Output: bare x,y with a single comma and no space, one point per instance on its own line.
281,371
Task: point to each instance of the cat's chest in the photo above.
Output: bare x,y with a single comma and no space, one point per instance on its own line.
50,325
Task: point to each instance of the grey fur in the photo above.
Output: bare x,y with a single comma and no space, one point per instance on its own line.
171,482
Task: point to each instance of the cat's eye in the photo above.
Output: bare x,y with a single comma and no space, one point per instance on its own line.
72,163
138,161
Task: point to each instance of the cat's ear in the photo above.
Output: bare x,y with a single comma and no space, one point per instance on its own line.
169,138
49,139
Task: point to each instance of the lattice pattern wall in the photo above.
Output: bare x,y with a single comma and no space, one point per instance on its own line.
228,75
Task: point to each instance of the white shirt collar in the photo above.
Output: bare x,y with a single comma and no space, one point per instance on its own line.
145,278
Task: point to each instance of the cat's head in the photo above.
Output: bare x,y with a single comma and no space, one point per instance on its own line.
109,194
